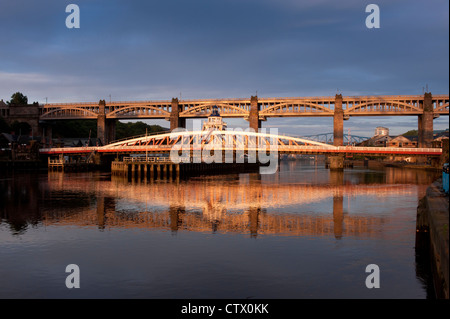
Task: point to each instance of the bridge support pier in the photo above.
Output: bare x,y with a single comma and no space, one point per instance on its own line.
336,162
425,123
46,132
253,118
111,130
106,128
175,120
338,122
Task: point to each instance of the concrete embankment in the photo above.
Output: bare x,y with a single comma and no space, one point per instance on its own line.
432,229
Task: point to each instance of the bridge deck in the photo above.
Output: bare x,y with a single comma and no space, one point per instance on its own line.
392,105
234,141
281,150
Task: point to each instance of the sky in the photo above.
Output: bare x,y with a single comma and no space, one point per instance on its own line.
201,49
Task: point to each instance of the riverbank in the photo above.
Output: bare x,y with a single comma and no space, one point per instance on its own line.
432,231
379,164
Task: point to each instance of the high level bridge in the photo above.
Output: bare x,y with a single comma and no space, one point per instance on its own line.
426,107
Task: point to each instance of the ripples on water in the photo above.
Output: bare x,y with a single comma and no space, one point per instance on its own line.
304,232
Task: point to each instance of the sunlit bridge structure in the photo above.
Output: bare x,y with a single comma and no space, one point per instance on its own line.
256,110
233,140
328,138
255,138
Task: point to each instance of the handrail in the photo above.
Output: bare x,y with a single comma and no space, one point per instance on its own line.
147,159
414,96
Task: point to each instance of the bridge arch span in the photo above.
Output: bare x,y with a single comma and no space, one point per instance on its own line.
139,111
68,113
444,108
225,109
295,107
384,106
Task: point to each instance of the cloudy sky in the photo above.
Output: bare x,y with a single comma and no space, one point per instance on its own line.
156,50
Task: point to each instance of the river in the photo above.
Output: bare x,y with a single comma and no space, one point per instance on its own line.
304,232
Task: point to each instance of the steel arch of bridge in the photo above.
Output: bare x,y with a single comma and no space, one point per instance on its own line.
69,112
225,108
138,111
329,138
236,139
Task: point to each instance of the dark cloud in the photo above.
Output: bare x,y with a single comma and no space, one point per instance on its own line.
220,49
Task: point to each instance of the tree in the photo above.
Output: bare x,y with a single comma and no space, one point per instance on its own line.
129,129
86,128
18,99
411,133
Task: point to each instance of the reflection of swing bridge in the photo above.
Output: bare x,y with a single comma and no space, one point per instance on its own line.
252,220
235,196
237,208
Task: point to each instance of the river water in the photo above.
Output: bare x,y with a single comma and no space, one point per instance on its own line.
304,232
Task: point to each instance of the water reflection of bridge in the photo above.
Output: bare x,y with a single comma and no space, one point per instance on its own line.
234,195
207,206
254,221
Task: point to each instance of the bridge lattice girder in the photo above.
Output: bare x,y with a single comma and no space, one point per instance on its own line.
235,139
268,107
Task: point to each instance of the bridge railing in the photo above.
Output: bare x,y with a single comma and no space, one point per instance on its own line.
147,159
261,99
67,150
405,149
68,104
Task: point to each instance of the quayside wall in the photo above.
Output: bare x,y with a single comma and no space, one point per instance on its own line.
432,231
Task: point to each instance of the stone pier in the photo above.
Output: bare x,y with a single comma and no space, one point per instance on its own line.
175,120
336,162
253,118
106,128
425,122
338,122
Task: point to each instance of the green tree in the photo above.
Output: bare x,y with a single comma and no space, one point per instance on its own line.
86,128
18,99
75,129
129,129
411,133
